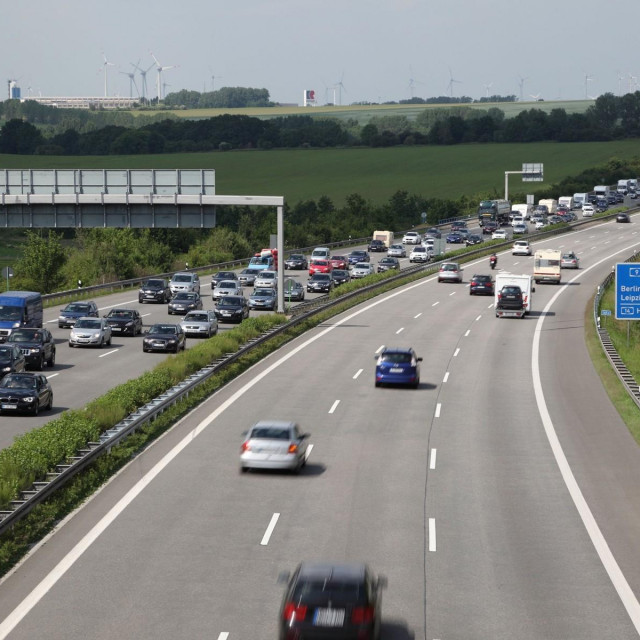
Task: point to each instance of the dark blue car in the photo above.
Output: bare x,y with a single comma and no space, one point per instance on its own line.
455,238
398,366
75,310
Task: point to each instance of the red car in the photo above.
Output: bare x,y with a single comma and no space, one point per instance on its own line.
320,266
339,262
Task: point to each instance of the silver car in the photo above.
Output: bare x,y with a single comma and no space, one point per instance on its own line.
274,444
248,277
227,288
267,278
396,251
91,332
184,281
450,272
202,324
362,270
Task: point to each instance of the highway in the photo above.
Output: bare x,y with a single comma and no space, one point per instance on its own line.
500,498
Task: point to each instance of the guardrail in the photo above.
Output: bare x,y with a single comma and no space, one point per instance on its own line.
609,349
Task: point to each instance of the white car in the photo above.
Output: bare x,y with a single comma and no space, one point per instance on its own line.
420,254
227,288
267,278
499,234
362,270
521,248
274,444
541,224
411,237
587,210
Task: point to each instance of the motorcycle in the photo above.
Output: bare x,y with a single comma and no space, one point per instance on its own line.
493,261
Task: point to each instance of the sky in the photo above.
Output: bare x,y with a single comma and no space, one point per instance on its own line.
345,50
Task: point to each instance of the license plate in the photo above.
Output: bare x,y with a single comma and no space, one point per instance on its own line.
158,344
9,406
116,328
226,313
329,618
396,370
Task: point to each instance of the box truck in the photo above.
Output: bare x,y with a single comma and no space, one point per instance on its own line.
19,309
546,265
579,199
550,203
525,210
566,201
623,186
602,191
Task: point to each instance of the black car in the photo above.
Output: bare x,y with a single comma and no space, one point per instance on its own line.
320,283
331,601
37,346
623,217
25,393
185,301
601,206
377,245
293,290
473,239
75,310
340,276
124,321
434,232
388,263
223,275
296,261
481,284
231,309
263,298
510,297
154,290
11,359
358,255
489,227
164,337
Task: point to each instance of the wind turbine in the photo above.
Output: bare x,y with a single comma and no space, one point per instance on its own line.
105,65
451,81
132,83
143,75
632,83
213,79
587,80
521,83
340,87
620,79
487,87
160,69
412,82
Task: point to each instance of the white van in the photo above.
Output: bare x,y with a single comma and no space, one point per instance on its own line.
525,210
321,253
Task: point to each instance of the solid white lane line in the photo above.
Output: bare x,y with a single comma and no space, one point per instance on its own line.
432,534
446,377
612,568
560,246
438,407
596,247
467,333
108,353
400,330
435,303
334,406
432,459
358,372
414,317
456,352
52,375
270,528
478,318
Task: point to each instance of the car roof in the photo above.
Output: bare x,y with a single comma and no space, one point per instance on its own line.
281,424
322,571
397,350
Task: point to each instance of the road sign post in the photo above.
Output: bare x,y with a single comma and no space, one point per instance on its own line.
531,172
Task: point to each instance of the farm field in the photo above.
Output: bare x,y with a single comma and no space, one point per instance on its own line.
376,174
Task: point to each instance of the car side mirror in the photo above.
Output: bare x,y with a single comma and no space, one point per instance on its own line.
283,577
419,359
304,435
533,289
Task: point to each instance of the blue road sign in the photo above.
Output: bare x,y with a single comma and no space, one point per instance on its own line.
628,291
605,312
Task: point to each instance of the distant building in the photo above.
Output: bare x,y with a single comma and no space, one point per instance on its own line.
14,90
79,102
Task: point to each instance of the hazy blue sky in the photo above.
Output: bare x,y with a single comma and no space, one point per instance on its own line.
376,47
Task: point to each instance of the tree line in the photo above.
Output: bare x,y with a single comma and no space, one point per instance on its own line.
609,118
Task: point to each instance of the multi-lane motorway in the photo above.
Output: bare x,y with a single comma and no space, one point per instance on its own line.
500,498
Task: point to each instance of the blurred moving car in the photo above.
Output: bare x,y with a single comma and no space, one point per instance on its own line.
320,266
388,263
296,261
331,601
420,254
397,366
481,284
521,248
183,302
623,217
434,232
450,272
164,337
499,234
489,227
201,324
11,359
454,238
274,444
358,255
74,310
124,321
377,246
588,210
263,298
520,229
474,239
92,332
232,309
25,393
339,262
154,290
411,237
247,277
267,278
37,346
569,261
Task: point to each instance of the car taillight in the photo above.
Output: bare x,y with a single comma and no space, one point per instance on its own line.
294,612
245,447
293,448
362,615
473,283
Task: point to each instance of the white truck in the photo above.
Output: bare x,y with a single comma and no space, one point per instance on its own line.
580,199
623,186
566,201
550,203
602,191
546,265
525,210
385,236
526,286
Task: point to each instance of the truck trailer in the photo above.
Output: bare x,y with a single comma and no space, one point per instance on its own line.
526,287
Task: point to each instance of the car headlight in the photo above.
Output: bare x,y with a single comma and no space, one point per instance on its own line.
129,324
7,369
29,398
61,318
172,340
96,334
34,350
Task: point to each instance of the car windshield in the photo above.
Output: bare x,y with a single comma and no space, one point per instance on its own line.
227,284
482,278
182,278
262,293
296,256
336,591
362,265
185,296
120,313
88,323
25,336
396,358
259,261
270,433
270,275
339,272
163,328
225,275
19,382
155,284
77,307
230,301
8,312
321,276
196,317
449,267
419,250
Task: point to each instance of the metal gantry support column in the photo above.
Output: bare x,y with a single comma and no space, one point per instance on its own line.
280,248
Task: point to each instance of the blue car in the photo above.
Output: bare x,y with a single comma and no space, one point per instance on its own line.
455,238
398,366
75,310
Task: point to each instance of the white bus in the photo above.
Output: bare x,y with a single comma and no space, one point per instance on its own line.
546,265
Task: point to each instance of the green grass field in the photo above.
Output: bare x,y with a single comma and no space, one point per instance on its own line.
303,174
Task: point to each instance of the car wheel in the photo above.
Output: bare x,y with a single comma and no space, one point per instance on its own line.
70,345
109,341
244,469
140,301
50,404
52,360
36,408
101,343
40,364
